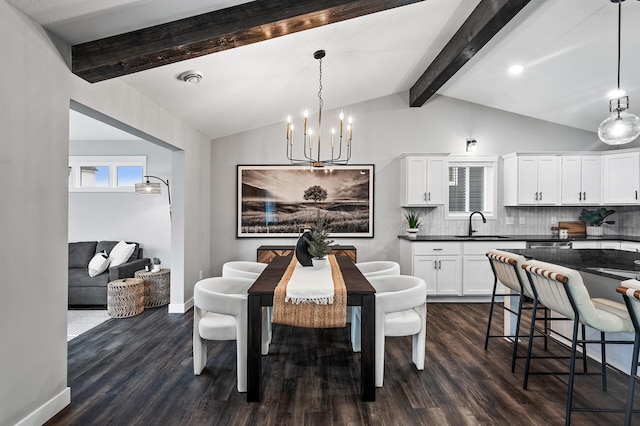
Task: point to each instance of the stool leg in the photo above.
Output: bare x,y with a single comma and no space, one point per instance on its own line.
493,300
531,331
584,349
632,379
515,343
546,326
572,372
603,360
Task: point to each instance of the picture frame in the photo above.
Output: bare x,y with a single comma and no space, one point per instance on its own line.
284,200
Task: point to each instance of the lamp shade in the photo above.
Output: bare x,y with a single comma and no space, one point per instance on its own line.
620,128
148,188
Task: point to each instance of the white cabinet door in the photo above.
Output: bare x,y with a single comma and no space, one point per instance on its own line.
436,169
585,244
477,276
527,180
548,180
449,277
571,180
591,180
426,267
621,178
615,245
415,181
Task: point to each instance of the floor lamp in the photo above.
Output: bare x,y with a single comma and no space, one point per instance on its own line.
154,188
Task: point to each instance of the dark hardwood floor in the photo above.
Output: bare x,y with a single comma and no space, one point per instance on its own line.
138,371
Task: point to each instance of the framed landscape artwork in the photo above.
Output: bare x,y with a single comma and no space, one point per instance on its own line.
282,201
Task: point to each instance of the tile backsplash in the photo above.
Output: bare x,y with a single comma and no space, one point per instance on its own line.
526,221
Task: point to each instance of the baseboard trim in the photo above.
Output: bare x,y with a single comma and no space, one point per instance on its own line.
180,308
47,410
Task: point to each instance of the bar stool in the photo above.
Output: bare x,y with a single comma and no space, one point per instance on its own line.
563,291
507,270
630,291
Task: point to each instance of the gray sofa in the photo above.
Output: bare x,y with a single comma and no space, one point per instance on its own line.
85,290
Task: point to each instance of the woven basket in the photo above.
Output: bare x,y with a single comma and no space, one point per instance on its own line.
125,298
157,287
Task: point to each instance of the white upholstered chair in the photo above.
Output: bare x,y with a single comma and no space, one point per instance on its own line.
251,270
401,310
220,313
562,290
378,268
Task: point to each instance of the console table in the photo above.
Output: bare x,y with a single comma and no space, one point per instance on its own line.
267,253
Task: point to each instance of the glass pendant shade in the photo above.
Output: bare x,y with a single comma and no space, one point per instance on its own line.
620,128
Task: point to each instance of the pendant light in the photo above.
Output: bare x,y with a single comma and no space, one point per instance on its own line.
621,127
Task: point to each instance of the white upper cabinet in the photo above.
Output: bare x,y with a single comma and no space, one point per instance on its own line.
621,178
581,179
423,180
531,180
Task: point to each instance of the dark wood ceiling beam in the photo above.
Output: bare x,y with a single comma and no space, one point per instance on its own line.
213,32
486,20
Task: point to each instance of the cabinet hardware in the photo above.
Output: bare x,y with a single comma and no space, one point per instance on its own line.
636,194
580,196
428,196
425,196
584,196
536,197
439,264
540,195
437,249
435,264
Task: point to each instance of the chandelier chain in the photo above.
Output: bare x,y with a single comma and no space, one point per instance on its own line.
320,102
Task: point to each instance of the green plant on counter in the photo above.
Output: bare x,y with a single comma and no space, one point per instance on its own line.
596,217
413,219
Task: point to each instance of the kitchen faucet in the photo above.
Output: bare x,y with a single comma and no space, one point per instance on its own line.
471,230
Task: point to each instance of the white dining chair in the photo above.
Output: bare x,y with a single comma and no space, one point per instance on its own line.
370,269
251,270
220,313
378,268
401,310
562,290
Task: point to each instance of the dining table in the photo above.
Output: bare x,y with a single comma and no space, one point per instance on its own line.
360,293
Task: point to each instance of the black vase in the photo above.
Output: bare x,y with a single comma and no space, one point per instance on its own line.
302,250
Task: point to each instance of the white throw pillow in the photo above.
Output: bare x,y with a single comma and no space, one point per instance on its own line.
98,264
121,253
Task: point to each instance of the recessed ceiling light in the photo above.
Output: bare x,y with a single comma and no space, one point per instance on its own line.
192,77
616,93
516,69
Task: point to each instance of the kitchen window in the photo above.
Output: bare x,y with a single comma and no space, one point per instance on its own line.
472,187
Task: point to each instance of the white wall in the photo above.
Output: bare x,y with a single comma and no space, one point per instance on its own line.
34,150
124,215
383,129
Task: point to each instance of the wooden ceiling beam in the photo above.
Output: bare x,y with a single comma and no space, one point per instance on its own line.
213,32
486,20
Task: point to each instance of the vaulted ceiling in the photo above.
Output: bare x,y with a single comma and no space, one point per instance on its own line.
568,49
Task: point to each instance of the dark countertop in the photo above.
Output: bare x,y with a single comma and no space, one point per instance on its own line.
537,238
585,259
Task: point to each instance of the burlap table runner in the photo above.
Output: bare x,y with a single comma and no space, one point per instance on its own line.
311,315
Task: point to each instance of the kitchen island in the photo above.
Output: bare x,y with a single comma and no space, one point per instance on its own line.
602,271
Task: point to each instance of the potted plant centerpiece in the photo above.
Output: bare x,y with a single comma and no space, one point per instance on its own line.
594,220
414,222
319,243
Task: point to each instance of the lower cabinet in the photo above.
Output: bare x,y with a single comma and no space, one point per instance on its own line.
477,276
441,273
452,268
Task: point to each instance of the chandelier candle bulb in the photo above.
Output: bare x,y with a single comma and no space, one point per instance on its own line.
288,126
333,137
305,122
291,135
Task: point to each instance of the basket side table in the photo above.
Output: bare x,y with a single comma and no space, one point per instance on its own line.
157,287
125,298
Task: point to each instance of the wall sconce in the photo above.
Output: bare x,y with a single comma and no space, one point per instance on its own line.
472,144
154,188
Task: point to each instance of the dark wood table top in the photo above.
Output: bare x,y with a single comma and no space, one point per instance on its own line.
355,282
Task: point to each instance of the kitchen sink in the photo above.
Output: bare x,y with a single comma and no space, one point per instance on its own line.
482,237
618,272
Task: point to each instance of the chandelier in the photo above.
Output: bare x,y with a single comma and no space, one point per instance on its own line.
621,127
309,145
